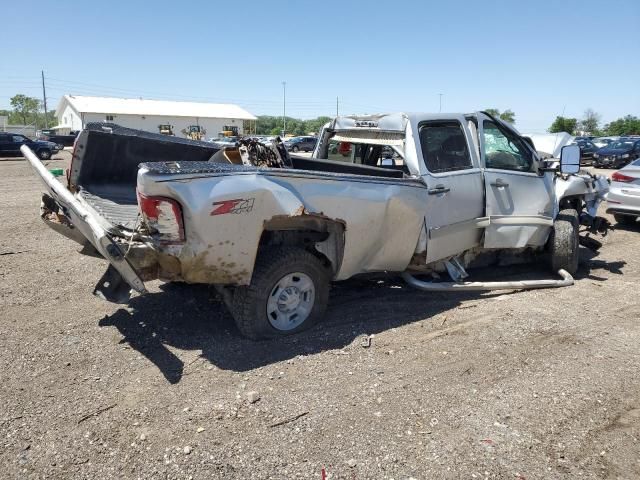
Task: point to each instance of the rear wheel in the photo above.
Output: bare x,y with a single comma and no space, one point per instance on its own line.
288,293
564,243
625,219
44,154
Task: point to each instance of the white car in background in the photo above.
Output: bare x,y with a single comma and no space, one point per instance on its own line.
623,198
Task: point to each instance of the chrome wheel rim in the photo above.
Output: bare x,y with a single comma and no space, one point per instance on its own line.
291,301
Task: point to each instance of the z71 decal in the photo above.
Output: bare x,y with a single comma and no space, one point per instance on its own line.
238,205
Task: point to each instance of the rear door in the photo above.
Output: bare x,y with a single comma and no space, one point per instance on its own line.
519,202
455,208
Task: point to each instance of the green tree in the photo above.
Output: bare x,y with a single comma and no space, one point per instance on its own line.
591,121
25,107
564,124
315,125
628,125
270,125
508,115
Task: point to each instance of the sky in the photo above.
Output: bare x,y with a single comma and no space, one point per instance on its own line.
539,58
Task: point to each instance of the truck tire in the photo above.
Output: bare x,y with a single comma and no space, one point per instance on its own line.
564,243
289,292
625,219
44,154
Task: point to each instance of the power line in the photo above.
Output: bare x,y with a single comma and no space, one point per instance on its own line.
68,86
300,106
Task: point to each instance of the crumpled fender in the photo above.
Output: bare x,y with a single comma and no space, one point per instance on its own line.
592,189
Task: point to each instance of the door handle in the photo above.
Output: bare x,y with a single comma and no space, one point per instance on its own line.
499,183
438,189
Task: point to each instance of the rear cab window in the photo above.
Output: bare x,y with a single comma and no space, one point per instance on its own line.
364,154
444,146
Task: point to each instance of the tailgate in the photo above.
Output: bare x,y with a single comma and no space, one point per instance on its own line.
88,225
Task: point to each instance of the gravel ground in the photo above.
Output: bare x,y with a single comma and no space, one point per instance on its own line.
395,383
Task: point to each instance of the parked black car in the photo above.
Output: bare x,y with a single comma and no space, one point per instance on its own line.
10,144
587,149
60,140
617,154
301,143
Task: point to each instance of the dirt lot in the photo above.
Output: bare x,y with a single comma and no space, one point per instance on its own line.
394,384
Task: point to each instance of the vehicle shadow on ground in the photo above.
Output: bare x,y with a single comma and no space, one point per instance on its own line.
191,317
589,264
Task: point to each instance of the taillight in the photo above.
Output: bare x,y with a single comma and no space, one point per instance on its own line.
619,177
163,216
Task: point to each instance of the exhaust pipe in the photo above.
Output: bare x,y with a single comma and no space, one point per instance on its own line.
566,281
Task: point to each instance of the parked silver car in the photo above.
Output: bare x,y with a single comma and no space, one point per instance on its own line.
623,198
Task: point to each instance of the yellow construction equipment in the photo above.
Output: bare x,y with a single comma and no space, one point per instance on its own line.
194,132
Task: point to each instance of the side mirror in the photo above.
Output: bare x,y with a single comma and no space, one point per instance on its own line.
570,159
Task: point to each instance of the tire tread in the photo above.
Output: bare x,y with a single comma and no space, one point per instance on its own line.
563,241
247,298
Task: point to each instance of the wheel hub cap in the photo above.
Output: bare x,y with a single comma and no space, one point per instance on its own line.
291,301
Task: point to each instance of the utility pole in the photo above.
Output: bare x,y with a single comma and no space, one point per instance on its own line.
44,98
337,108
440,110
284,108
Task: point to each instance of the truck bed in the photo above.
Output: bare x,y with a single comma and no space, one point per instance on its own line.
109,156
115,203
106,169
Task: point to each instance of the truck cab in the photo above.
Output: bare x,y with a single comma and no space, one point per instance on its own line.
486,185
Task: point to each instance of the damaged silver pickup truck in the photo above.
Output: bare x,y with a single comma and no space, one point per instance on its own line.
409,193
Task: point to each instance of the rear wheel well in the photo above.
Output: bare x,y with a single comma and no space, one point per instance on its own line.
322,237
